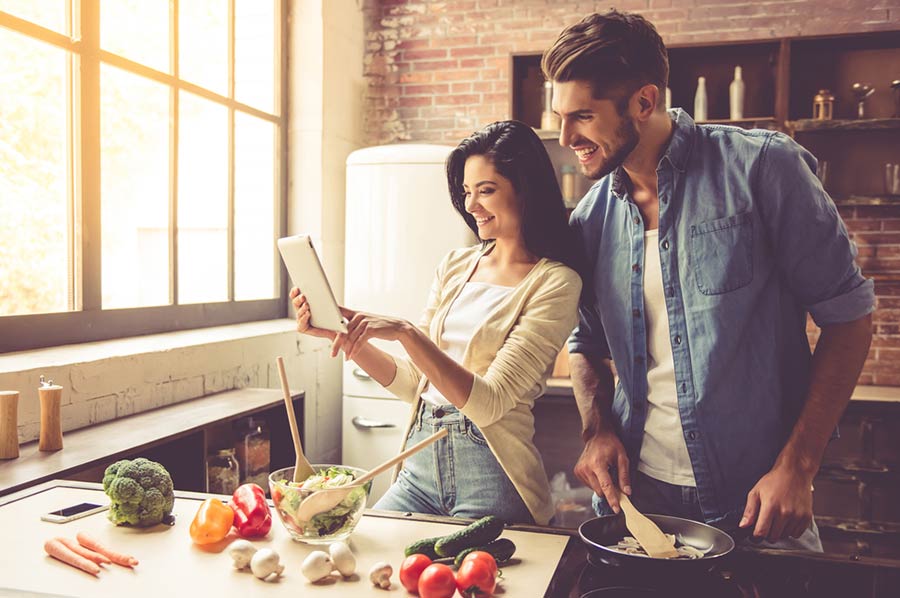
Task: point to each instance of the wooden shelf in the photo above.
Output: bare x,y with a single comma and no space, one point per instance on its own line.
866,124
738,121
548,134
180,428
867,200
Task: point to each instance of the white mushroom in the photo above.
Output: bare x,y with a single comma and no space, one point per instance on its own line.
317,566
380,575
241,552
343,558
265,562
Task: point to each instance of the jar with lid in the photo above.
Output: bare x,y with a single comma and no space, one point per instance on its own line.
222,475
253,451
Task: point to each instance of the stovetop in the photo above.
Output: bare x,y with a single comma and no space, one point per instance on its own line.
747,572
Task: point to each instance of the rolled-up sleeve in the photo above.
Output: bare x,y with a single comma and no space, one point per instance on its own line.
588,336
815,254
531,346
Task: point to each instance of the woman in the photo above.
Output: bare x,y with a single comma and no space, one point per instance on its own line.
497,316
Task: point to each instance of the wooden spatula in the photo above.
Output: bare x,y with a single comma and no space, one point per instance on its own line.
302,468
649,536
328,498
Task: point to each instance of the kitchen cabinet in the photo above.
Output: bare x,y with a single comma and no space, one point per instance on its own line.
179,436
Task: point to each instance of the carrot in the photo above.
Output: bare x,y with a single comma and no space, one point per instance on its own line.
86,553
117,557
61,552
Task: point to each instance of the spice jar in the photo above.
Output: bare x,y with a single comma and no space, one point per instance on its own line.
253,451
222,475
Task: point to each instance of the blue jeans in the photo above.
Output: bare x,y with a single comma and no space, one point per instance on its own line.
650,495
457,476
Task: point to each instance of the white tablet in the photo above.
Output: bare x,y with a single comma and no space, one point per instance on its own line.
308,275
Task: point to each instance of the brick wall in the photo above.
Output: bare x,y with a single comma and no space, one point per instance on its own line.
439,69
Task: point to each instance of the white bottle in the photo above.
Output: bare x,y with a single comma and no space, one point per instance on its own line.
700,100
736,96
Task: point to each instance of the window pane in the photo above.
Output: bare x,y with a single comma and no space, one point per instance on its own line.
202,200
254,208
34,231
203,43
46,13
134,163
137,30
254,53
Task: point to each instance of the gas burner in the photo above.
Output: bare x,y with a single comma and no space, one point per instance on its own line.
599,580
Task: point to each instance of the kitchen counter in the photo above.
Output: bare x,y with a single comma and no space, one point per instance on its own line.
170,564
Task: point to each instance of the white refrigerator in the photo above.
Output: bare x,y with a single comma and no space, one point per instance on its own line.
399,224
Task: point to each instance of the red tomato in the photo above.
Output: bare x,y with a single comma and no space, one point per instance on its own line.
411,569
437,581
475,578
483,557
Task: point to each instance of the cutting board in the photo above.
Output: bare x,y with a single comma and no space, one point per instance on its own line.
171,565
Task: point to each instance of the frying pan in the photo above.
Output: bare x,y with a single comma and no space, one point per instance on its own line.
600,532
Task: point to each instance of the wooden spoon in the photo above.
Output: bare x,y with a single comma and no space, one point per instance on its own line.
302,468
328,498
647,533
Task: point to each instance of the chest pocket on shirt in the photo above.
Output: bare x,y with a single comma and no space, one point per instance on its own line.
722,254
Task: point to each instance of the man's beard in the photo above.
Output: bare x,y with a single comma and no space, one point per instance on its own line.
628,138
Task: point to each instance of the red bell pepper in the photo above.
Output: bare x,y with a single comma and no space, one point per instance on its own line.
252,518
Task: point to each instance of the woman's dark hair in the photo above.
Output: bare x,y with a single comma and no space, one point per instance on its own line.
519,155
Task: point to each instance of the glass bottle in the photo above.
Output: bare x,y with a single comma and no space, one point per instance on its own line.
736,96
253,451
549,119
700,100
222,475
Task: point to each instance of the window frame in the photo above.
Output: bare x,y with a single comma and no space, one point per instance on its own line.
86,320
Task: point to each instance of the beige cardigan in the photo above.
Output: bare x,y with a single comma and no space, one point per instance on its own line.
511,354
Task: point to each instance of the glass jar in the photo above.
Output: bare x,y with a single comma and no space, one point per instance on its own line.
222,475
253,450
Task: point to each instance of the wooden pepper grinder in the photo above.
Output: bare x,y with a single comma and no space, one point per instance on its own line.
9,422
51,423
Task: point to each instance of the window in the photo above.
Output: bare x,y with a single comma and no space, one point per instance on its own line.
142,167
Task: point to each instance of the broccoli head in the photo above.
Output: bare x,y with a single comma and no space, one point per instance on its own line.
140,492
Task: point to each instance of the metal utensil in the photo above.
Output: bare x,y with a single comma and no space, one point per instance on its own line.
328,498
302,468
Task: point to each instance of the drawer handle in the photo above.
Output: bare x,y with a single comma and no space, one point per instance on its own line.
364,423
359,373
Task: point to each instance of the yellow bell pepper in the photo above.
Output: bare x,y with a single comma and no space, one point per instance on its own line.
212,522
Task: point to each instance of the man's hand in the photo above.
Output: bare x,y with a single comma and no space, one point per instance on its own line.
780,504
603,451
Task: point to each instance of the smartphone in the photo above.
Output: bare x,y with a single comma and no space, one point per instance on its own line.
74,512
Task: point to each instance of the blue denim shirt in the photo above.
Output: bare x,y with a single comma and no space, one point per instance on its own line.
749,244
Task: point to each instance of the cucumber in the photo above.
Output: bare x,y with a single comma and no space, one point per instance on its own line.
479,533
425,547
501,549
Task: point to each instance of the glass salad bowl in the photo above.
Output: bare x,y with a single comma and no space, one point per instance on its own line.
324,528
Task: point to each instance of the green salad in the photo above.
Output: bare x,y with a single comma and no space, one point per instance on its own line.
335,520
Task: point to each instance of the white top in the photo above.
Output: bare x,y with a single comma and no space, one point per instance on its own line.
664,455
469,310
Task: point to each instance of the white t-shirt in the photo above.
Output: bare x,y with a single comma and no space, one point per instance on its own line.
664,455
473,305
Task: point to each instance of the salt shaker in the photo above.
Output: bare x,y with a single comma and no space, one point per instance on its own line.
51,422
9,422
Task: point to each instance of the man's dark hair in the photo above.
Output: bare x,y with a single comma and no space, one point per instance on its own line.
616,53
519,155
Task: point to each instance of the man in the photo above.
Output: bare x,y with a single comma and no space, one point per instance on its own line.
707,246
